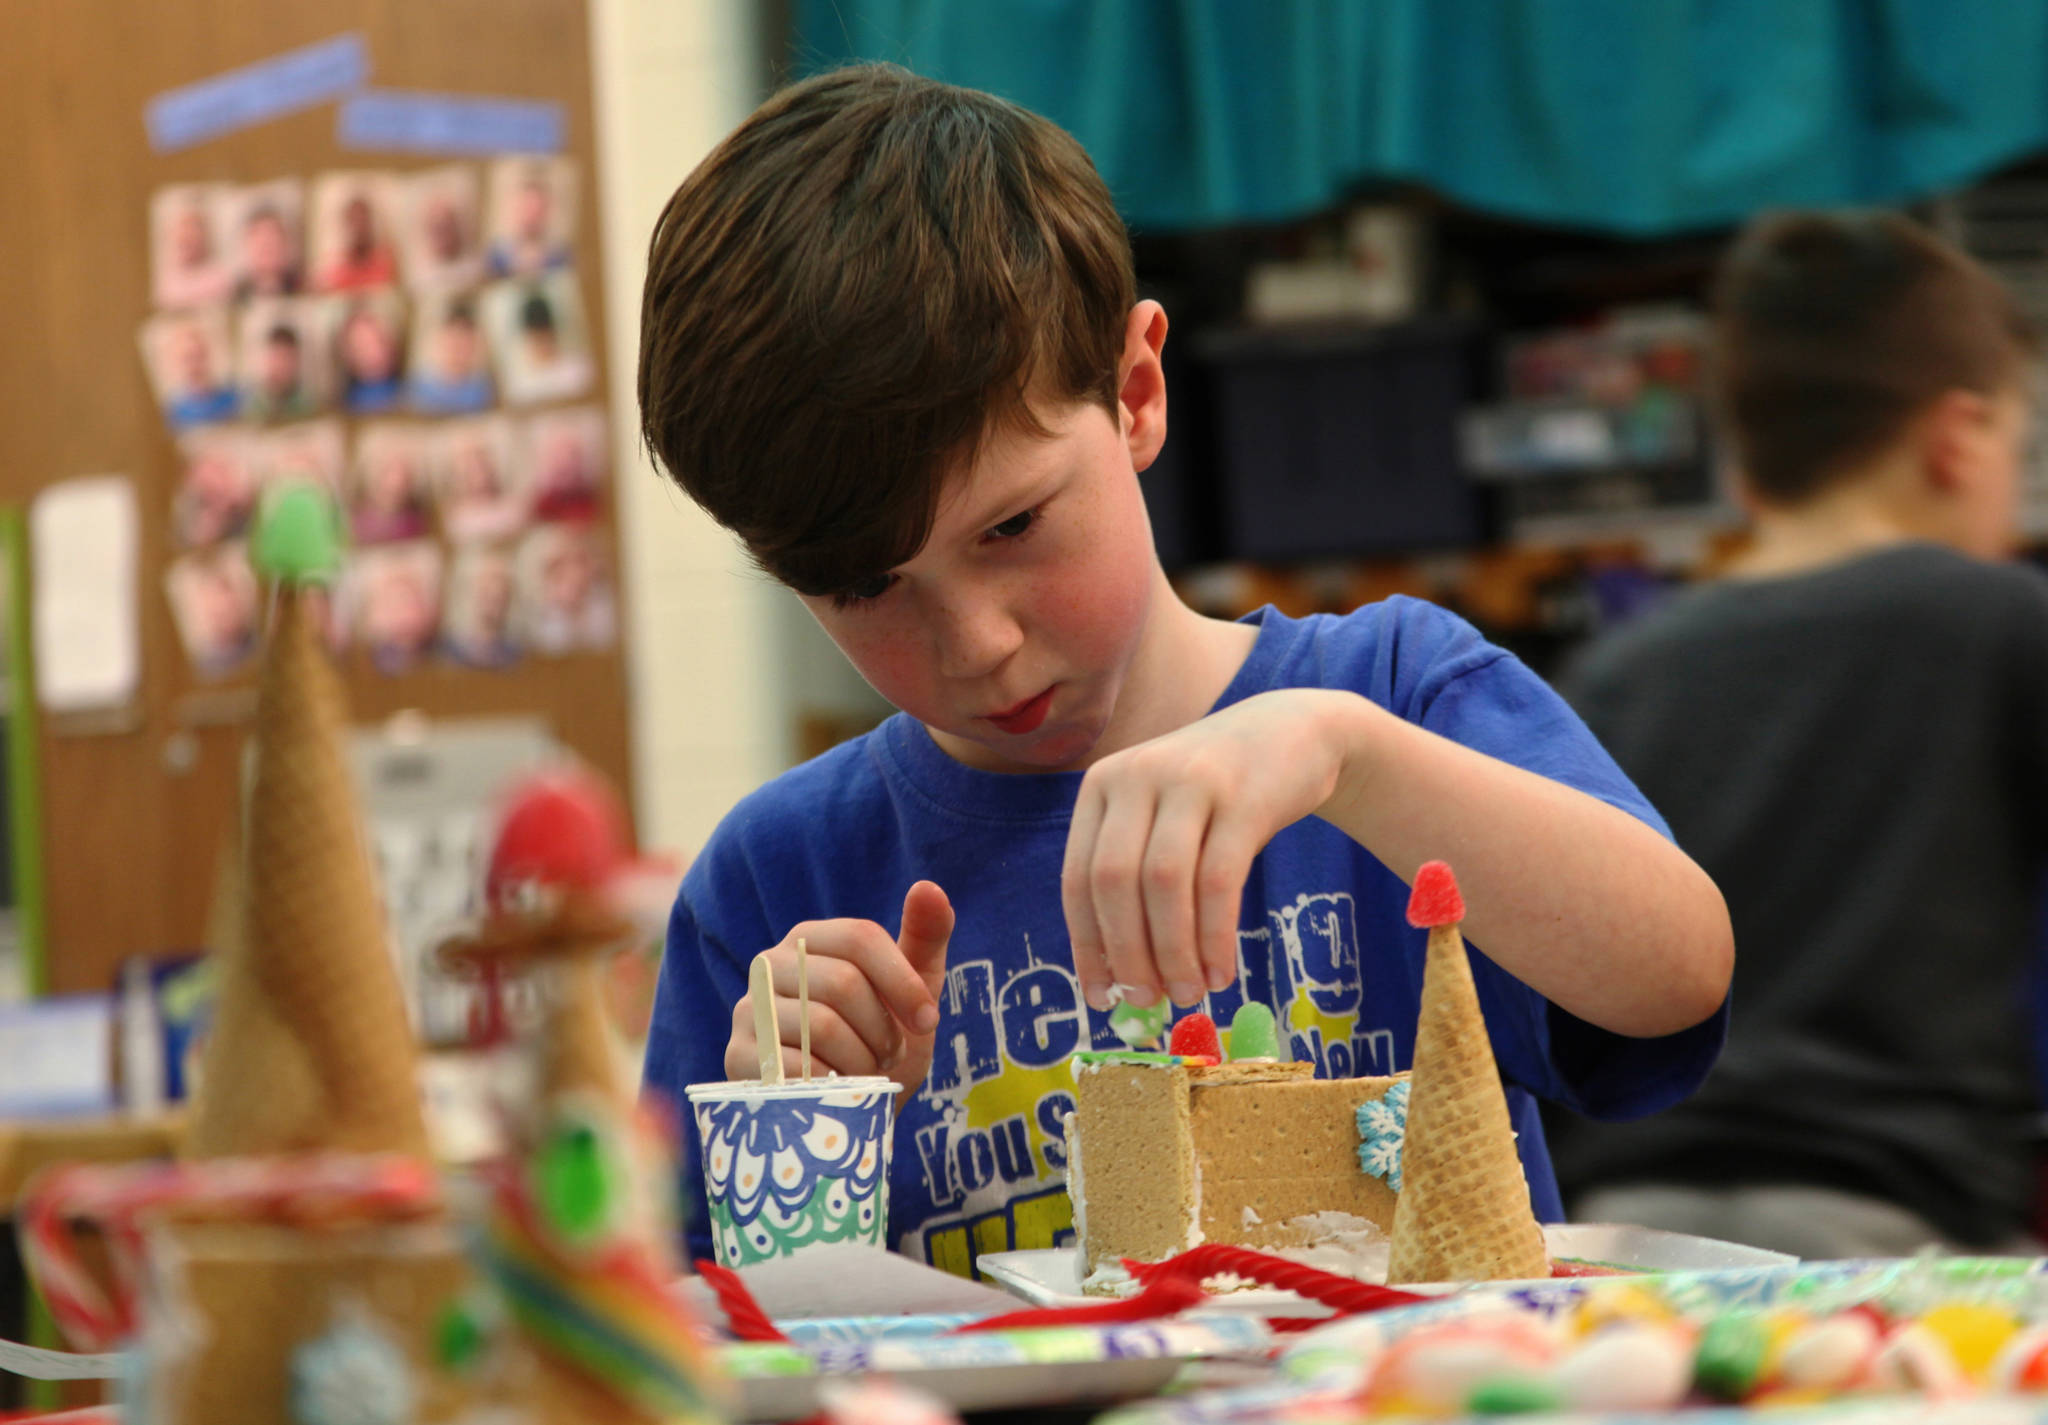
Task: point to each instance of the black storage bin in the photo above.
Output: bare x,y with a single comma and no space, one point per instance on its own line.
1180,486
1342,440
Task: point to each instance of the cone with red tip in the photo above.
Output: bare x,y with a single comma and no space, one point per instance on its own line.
1463,1212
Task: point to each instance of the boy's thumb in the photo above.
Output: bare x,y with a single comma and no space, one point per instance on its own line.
927,926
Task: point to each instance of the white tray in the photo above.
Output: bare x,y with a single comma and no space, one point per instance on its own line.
1052,1276
1008,1369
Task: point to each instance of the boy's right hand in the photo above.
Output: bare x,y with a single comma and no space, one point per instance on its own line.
874,1000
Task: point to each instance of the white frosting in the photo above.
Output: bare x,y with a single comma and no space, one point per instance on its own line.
1340,1242
1110,1280
1251,1216
1076,1193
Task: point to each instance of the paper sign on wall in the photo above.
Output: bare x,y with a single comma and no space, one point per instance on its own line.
402,121
83,547
256,93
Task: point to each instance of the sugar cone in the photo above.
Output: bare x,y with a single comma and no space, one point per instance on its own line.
1463,1211
311,1047
579,1055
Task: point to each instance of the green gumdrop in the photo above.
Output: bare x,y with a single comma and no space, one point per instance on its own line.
459,1336
298,535
1139,1024
1512,1395
572,1181
1253,1034
1730,1356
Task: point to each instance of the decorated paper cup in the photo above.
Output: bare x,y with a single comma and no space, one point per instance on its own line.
789,1166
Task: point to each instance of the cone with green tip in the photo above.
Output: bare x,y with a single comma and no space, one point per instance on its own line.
311,1047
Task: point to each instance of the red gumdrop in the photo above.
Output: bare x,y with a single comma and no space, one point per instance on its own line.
1194,1037
1435,900
563,827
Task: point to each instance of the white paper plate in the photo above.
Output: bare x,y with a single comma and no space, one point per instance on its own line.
1006,1369
1052,1277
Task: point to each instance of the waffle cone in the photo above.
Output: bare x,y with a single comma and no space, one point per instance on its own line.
1463,1211
580,1055
311,1047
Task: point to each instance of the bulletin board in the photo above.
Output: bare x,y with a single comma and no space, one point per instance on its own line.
137,798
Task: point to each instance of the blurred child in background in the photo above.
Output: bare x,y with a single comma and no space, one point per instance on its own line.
1850,733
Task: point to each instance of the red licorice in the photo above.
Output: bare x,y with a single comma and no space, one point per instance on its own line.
1161,1296
743,1315
1342,1294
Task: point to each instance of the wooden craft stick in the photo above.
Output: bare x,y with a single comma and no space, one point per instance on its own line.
767,1033
803,1005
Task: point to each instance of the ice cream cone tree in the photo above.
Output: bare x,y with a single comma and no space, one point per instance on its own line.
580,1235
1463,1212
311,1047
553,907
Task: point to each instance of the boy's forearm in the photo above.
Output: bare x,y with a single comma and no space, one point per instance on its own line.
1583,902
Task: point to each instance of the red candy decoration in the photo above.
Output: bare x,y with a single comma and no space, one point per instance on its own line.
743,1315
1347,1296
1195,1037
1435,900
1162,1296
562,828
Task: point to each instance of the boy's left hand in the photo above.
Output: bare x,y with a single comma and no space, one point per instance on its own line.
1164,835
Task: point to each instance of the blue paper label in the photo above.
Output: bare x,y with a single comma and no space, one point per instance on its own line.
392,119
257,93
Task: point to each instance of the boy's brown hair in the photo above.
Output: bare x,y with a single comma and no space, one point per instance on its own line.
862,280
1834,330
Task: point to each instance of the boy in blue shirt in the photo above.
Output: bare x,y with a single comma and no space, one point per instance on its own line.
890,338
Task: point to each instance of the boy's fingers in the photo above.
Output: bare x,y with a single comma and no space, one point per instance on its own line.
840,989
927,928
1085,938
1167,878
871,950
1219,898
835,1044
1118,901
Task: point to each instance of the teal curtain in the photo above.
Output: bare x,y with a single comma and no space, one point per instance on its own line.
1635,116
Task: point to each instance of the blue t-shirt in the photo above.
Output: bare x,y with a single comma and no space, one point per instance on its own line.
1323,937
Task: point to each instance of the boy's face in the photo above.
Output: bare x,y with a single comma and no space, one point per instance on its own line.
369,348
445,239
265,247
455,349
1013,632
280,374
192,239
192,359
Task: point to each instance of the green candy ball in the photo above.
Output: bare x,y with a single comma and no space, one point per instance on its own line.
298,537
1138,1025
460,1335
572,1178
1730,1356
1512,1395
1254,1034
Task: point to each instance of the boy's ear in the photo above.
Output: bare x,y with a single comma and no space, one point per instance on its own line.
1953,433
1141,383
